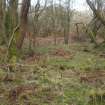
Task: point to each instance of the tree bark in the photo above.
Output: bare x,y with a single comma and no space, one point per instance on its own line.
23,22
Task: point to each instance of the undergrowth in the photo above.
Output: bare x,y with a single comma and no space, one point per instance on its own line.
62,75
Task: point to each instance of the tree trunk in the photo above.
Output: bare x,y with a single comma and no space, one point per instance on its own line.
12,27
67,22
2,29
23,22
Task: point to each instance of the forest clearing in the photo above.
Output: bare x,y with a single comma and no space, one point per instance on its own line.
52,52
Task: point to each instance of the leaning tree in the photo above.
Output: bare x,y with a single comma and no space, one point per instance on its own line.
98,21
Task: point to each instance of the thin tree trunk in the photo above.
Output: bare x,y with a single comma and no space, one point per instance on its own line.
67,22
2,29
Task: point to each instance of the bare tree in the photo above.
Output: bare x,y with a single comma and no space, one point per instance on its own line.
98,11
53,19
98,7
68,16
38,10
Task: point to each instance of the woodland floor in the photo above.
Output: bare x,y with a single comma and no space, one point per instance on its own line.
55,75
